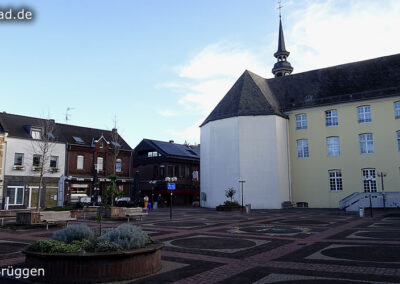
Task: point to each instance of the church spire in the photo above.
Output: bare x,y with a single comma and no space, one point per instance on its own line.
282,67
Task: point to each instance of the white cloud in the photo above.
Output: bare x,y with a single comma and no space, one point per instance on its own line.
329,33
190,134
207,77
212,72
220,60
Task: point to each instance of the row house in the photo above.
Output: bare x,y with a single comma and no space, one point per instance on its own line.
154,160
23,161
68,167
92,155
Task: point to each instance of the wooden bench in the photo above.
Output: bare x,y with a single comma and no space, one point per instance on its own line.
51,217
134,212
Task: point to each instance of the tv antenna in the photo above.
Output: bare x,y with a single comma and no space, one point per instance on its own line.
67,115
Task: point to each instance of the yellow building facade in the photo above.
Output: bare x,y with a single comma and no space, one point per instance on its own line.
325,176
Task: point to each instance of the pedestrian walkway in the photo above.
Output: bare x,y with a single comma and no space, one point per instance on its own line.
265,246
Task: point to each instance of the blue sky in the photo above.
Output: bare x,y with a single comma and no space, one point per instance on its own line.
161,66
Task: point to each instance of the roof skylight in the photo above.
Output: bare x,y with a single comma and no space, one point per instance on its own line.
78,139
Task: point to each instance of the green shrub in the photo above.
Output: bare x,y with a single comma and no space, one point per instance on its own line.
53,246
106,246
231,203
73,233
58,208
126,237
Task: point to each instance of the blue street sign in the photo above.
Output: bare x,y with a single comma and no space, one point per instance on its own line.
171,186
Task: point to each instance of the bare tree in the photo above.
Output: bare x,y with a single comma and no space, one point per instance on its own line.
112,191
43,143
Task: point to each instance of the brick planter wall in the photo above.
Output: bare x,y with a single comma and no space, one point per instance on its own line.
229,208
112,212
96,267
28,218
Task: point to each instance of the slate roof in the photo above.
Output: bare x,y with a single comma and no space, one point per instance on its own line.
173,149
363,80
18,125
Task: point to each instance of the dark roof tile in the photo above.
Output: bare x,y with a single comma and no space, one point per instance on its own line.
16,126
364,80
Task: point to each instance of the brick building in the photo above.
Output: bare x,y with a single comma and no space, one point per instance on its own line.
95,153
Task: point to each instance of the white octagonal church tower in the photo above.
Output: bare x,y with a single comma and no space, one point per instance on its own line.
246,138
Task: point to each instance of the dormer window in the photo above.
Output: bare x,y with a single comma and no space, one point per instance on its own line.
36,133
51,135
101,145
78,139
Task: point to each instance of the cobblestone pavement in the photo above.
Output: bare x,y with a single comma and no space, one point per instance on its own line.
265,246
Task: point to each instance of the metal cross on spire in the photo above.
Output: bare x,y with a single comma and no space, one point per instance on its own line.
280,8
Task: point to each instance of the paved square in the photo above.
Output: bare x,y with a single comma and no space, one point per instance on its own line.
265,246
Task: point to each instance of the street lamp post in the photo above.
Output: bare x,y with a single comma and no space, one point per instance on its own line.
173,180
242,182
382,175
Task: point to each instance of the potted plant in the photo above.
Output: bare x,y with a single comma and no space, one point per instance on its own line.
110,193
76,255
229,205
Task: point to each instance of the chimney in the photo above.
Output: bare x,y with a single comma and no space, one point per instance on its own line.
114,133
171,141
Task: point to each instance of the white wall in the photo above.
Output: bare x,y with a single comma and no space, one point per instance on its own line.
252,148
16,145
219,160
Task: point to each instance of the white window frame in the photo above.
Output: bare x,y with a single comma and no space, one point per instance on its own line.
367,143
364,114
331,118
100,163
16,188
22,162
301,121
333,146
396,110
118,162
369,180
335,180
80,162
302,148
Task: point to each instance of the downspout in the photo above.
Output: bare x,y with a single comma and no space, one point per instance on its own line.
288,160
66,185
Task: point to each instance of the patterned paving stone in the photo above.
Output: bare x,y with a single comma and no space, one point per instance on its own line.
368,255
261,275
265,246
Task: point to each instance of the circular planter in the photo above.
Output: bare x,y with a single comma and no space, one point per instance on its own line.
111,212
96,267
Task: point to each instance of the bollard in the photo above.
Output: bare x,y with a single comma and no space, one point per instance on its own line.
361,211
